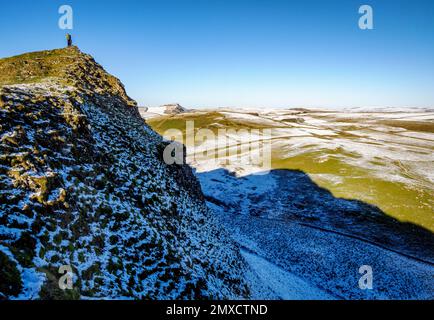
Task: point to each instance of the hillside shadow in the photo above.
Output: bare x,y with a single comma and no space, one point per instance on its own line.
292,196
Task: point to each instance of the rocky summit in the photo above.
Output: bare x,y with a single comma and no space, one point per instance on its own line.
173,108
83,185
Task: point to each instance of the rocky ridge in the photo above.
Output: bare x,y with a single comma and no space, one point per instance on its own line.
82,183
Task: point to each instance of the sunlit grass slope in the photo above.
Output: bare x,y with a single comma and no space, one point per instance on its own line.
375,158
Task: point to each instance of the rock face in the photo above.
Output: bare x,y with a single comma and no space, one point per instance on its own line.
83,184
173,108
287,221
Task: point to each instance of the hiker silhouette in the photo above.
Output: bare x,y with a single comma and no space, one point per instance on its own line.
69,40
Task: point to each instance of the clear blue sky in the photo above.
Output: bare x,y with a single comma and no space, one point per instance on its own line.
246,53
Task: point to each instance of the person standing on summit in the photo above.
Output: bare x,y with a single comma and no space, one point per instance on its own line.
69,40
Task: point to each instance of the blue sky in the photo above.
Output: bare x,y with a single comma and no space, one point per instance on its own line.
244,53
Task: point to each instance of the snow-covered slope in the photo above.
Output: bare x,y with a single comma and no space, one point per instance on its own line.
82,183
343,188
285,223
167,109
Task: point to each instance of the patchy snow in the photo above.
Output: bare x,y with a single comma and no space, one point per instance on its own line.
284,284
102,201
295,234
32,280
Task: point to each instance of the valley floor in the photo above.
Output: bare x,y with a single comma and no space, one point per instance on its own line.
295,227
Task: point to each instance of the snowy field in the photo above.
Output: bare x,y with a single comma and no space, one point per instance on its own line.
297,231
383,158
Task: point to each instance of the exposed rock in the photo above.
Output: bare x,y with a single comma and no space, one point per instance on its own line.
173,108
81,184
